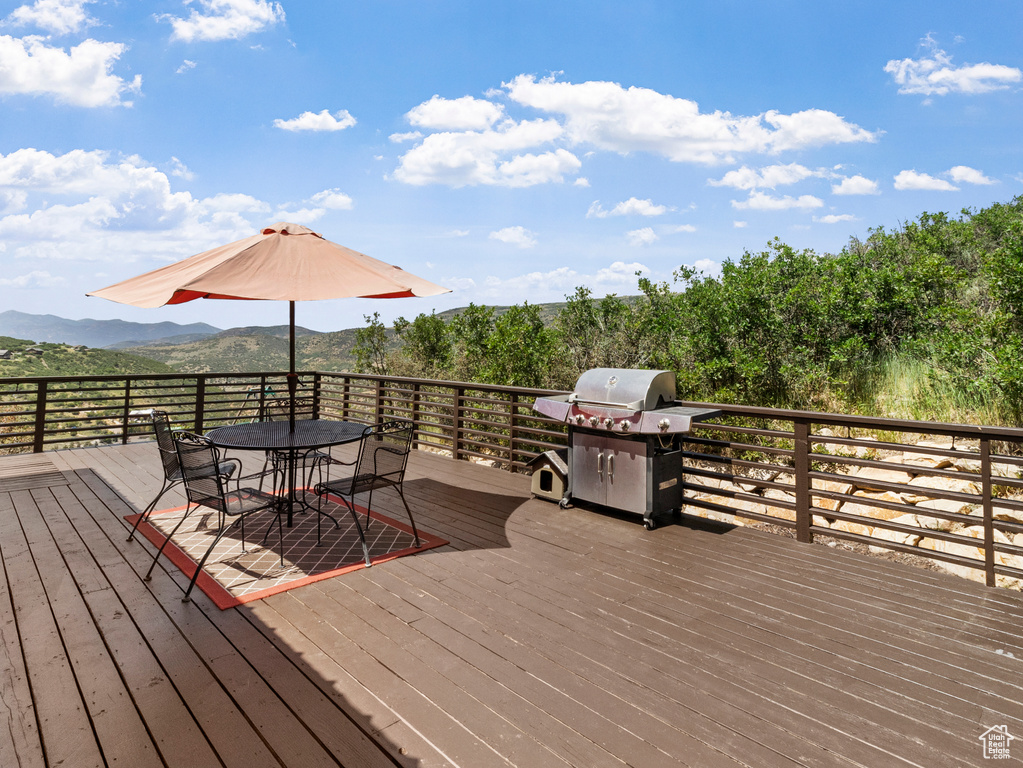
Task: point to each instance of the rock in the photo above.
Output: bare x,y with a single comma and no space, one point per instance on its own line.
976,553
865,477
866,509
899,537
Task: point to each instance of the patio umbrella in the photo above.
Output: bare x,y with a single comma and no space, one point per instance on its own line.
284,262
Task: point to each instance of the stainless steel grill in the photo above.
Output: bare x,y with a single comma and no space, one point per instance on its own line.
624,444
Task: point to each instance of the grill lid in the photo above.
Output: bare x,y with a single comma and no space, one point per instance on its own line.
631,388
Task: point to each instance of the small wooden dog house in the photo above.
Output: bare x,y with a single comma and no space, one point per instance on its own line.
550,474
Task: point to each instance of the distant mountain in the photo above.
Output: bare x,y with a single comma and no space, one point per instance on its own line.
94,333
255,349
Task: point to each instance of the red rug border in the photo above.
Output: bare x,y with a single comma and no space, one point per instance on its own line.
223,599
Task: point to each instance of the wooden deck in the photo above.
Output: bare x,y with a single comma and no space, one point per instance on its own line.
540,637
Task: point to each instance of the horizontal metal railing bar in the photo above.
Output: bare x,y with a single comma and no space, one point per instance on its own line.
715,459
881,485
740,446
742,496
756,431
739,480
745,514
908,549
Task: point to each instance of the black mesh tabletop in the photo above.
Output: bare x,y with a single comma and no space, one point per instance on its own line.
277,436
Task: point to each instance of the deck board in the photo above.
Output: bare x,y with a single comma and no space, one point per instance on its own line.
537,637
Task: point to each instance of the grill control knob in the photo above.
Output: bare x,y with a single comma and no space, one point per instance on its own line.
663,425
594,421
579,418
609,422
625,426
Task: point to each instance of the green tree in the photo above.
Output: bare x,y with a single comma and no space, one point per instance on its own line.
370,349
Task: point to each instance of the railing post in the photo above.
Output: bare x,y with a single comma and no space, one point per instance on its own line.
40,425
317,384
456,436
378,405
200,403
125,411
512,436
415,415
988,510
801,447
345,390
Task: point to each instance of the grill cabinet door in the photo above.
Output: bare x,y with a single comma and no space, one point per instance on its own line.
625,474
588,468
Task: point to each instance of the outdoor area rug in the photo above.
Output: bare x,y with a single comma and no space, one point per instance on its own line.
231,578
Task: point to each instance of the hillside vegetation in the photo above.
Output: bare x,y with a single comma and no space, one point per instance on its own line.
922,321
66,360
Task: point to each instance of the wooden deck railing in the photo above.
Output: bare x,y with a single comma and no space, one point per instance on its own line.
949,492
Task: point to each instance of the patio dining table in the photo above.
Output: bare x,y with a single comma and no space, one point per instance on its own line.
279,437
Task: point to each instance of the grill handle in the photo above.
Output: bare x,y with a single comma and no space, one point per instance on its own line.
600,465
637,405
611,467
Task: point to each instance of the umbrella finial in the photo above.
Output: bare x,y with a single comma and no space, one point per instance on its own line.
287,228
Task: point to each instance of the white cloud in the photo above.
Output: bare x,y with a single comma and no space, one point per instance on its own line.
965,174
770,176
623,120
84,205
906,180
317,121
334,199
34,279
708,267
855,185
224,19
935,75
759,201
833,218
475,143
644,236
548,285
186,65
180,170
631,207
740,224
397,138
80,76
304,216
683,228
60,17
464,114
470,158
581,182
519,236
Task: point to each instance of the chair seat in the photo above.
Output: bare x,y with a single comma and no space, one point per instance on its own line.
245,500
224,468
348,486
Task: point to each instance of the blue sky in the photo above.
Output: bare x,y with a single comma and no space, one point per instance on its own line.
510,151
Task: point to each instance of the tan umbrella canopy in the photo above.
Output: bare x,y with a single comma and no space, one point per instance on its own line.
284,262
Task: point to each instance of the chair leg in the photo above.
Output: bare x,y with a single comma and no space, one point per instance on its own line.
409,511
167,538
206,554
152,505
358,527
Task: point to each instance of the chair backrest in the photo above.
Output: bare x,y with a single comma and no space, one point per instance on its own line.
199,462
165,442
279,408
385,450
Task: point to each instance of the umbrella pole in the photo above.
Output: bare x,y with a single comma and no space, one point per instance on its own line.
292,376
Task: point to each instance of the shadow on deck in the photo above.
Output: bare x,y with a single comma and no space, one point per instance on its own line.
538,637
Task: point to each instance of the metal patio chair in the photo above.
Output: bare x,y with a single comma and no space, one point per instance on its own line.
205,486
383,456
171,465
